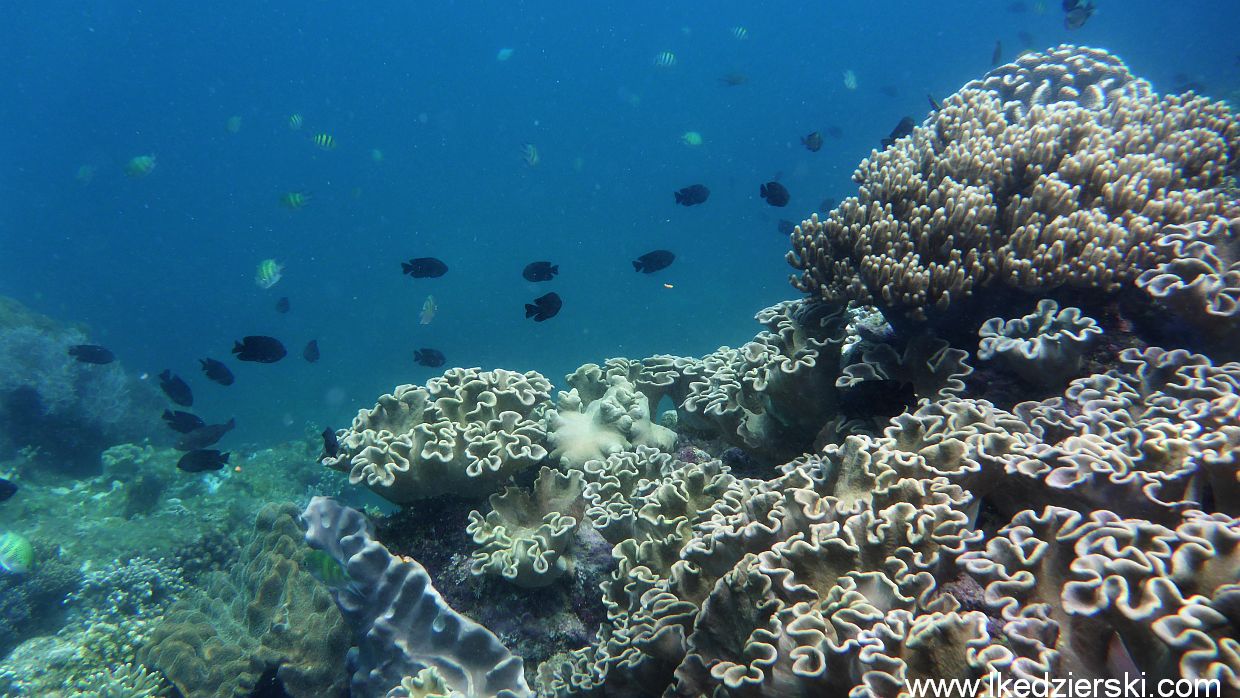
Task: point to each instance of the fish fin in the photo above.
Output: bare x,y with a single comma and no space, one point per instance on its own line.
637,266
679,198
224,456
555,269
406,268
232,423
238,348
530,310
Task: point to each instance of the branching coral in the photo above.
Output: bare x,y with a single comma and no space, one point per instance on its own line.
1066,193
465,433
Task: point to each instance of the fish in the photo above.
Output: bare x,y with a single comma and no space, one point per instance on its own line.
1017,7
311,352
327,570
887,398
140,166
91,354
850,80
691,138
1078,15
835,132
431,358
529,153
376,155
296,200
424,268
331,445
1026,39
654,261
268,274
233,125
204,436
540,271
996,56
8,488
16,553
216,371
295,121
902,129
890,91
176,389
786,227
259,348
826,205
182,422
325,141
202,460
428,311
739,33
544,307
935,105
664,59
692,195
733,79
282,305
775,194
504,54
812,142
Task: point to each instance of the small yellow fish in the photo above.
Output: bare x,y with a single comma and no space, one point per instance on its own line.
665,59
234,124
85,174
428,311
691,138
325,141
140,166
296,199
740,33
850,80
326,569
529,153
376,155
295,121
504,54
16,554
268,274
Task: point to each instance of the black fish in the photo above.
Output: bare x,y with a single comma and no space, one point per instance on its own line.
935,105
260,348
7,489
544,307
882,398
331,446
835,132
786,227
91,354
1026,39
890,90
775,194
653,261
183,422
734,79
997,55
282,305
540,271
311,352
176,389
428,357
812,142
204,436
202,460
1077,15
424,268
1016,7
826,205
216,371
1070,5
692,195
902,129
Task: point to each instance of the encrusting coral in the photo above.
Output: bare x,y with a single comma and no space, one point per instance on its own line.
1070,192
266,613
1044,348
465,433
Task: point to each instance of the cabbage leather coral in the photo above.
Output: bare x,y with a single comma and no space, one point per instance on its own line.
1071,191
603,413
465,433
1044,348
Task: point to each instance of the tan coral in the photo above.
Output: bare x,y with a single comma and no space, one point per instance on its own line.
465,433
1060,194
602,414
1044,347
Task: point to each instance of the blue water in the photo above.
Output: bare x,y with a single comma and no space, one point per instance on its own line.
161,268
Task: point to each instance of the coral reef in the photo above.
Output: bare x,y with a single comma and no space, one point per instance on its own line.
31,604
603,413
68,411
465,433
1071,192
1045,348
267,613
402,624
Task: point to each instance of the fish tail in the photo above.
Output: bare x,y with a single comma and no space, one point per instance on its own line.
530,310
679,198
406,268
555,269
637,266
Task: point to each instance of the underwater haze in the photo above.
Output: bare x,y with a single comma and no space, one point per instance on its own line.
897,342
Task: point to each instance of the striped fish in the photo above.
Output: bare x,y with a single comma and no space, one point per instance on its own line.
16,554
